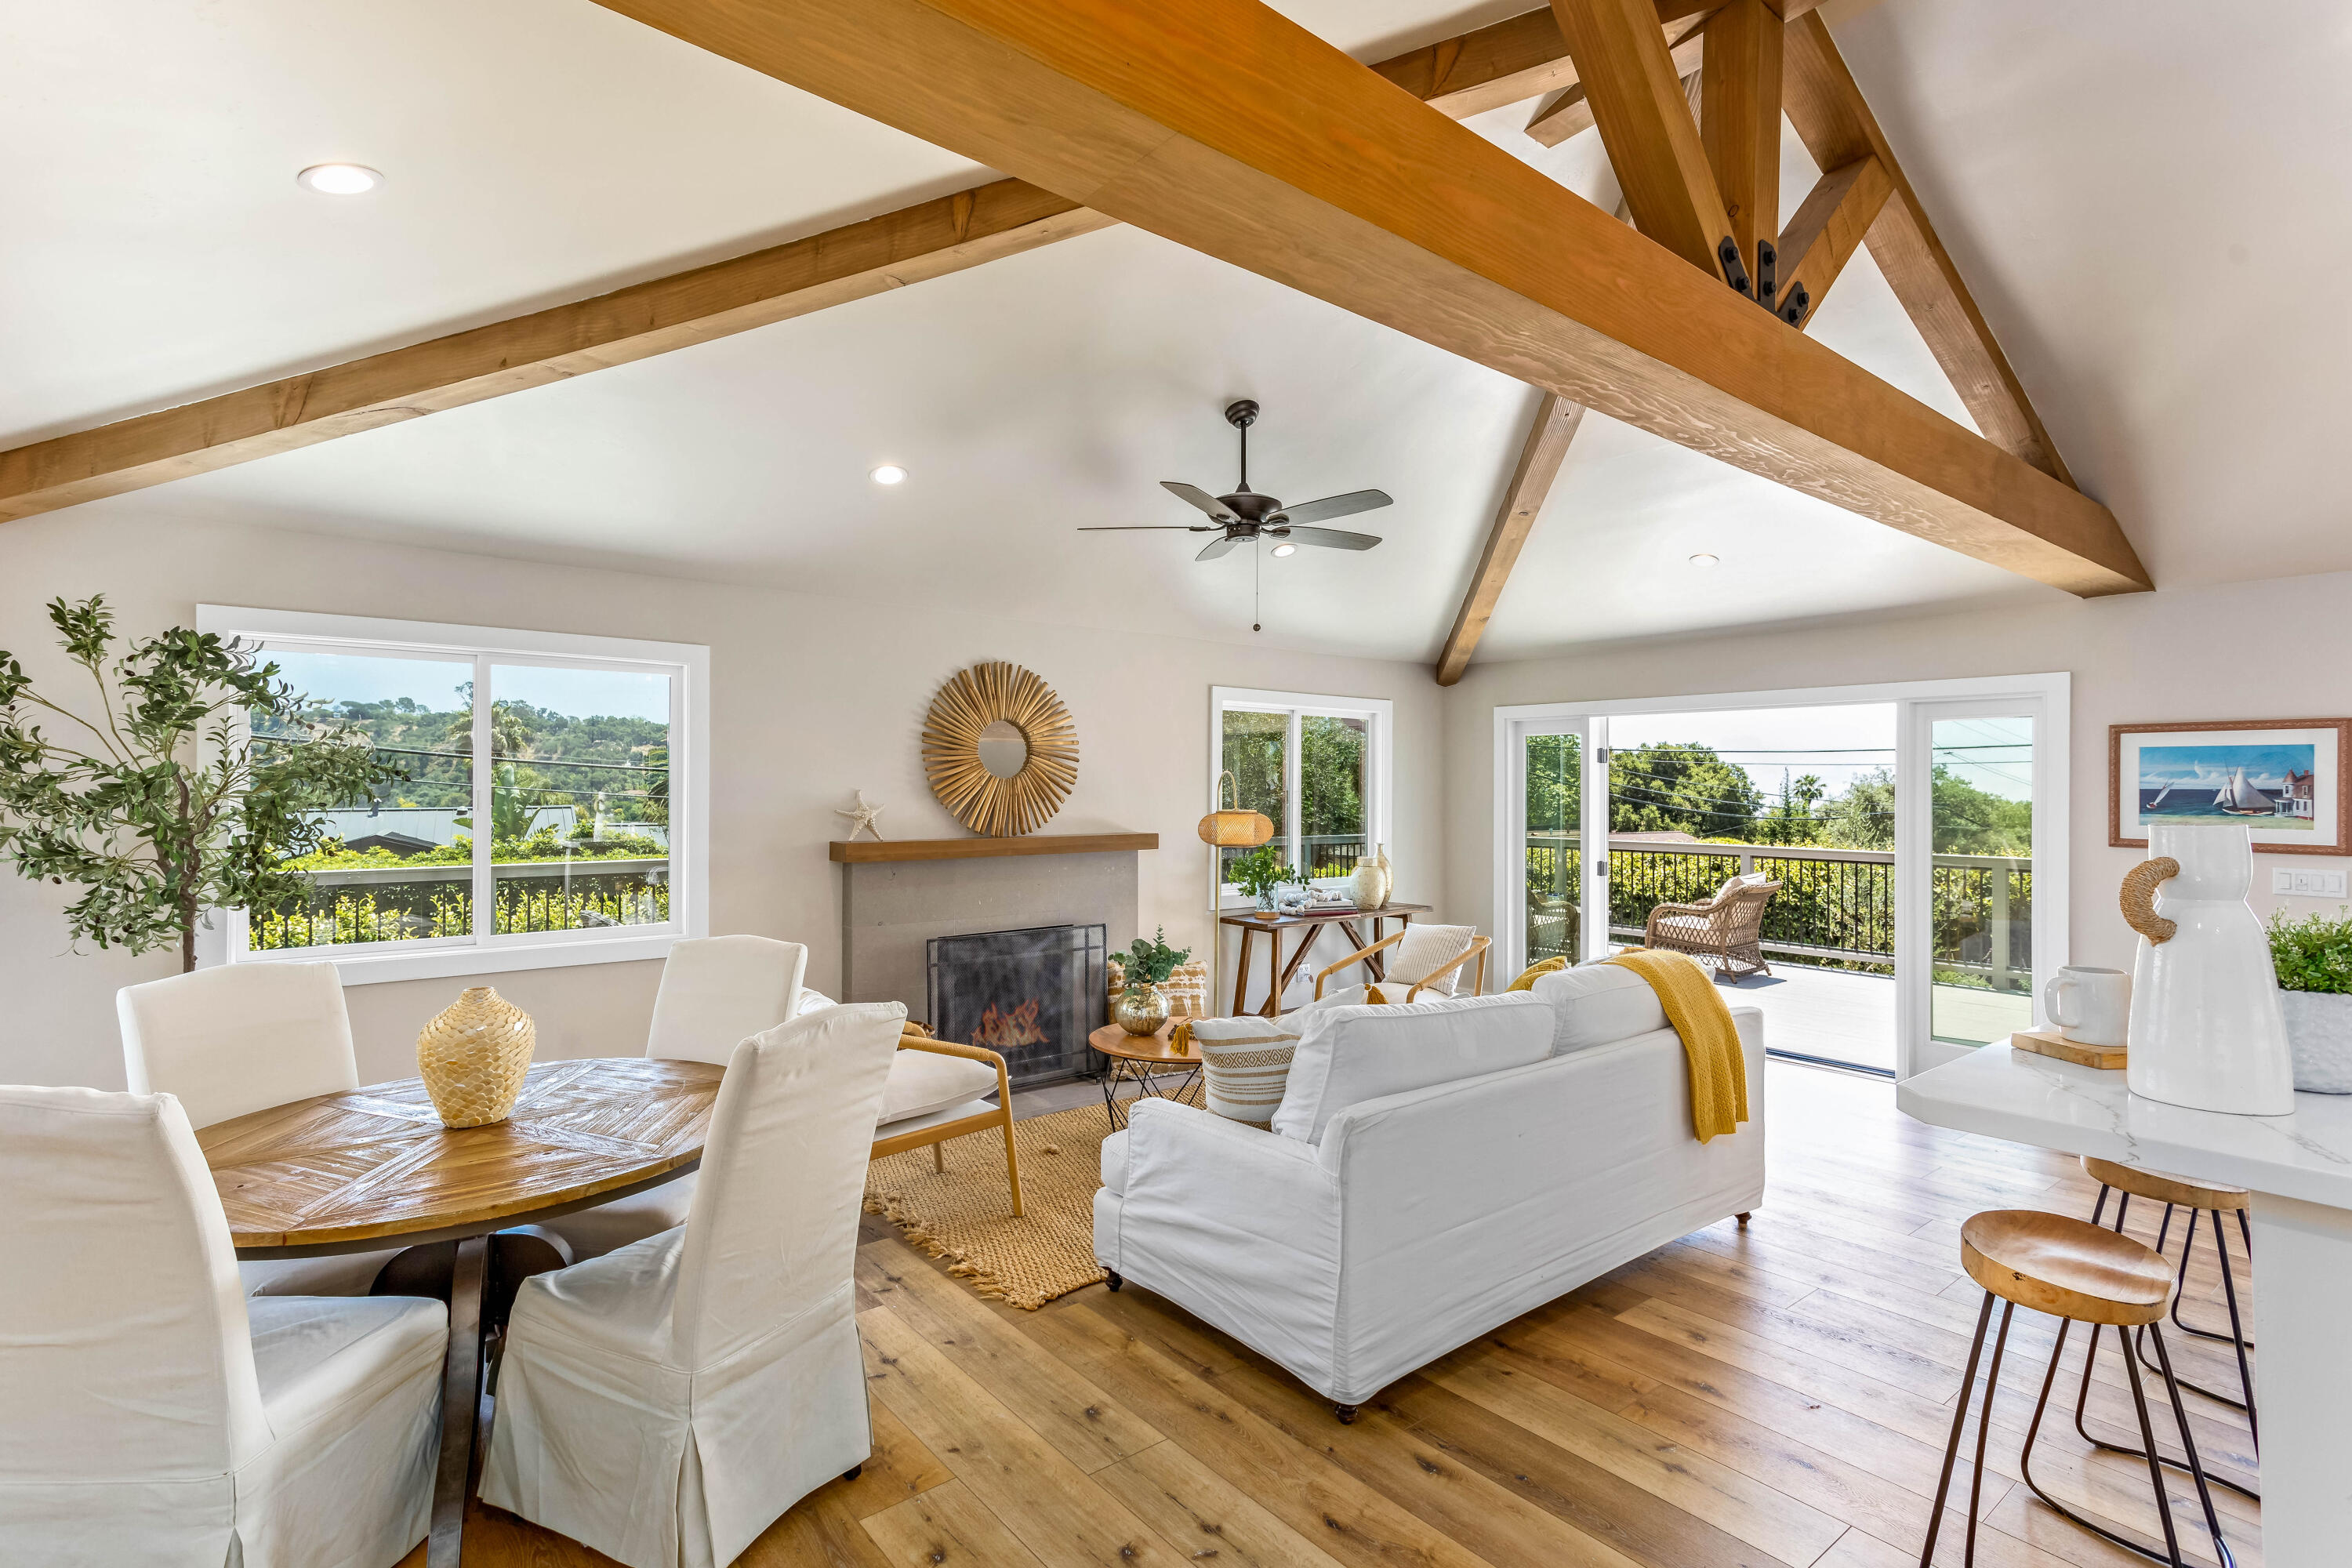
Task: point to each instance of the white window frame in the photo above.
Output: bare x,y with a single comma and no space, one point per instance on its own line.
222,940
1378,714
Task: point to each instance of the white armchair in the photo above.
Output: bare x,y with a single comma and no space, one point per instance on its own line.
240,1038
154,1413
668,1401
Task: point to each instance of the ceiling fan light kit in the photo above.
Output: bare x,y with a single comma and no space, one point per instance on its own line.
1245,517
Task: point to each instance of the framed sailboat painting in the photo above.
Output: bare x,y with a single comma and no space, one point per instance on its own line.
2283,778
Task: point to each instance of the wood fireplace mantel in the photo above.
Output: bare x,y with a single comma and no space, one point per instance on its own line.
869,851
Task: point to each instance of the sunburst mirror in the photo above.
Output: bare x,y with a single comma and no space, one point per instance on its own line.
1000,749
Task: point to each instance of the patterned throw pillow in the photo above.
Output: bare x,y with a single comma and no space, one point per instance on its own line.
1246,1064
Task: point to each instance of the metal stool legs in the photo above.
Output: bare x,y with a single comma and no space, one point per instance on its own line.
2170,1552
2236,1338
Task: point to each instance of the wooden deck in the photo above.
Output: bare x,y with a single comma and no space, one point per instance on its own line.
1776,1396
1848,1017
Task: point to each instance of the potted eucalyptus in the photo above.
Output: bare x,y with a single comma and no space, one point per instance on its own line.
1259,874
151,796
2314,960
1142,1005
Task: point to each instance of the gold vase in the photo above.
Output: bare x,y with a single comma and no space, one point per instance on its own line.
473,1057
1140,1009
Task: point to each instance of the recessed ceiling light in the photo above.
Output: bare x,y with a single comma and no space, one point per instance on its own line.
889,474
1285,548
339,179
1703,559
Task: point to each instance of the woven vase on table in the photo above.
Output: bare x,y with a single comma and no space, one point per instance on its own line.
473,1057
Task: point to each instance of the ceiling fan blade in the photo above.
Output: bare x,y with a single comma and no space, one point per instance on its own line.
1196,496
1216,547
1333,506
1330,538
1148,528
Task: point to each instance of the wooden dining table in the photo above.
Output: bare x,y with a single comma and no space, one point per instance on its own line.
375,1169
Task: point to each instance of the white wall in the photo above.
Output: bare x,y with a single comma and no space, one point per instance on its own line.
811,698
2280,649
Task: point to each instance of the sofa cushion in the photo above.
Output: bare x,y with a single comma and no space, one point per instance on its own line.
1349,1055
1597,1004
1114,1160
1245,1062
921,1082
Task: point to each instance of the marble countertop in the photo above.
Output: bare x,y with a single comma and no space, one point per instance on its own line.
2026,1098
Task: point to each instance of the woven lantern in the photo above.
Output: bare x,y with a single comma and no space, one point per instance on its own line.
1229,829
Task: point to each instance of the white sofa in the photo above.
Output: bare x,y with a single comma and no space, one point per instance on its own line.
1375,1227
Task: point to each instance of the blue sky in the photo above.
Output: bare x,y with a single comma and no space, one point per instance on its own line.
2210,766
434,683
1838,744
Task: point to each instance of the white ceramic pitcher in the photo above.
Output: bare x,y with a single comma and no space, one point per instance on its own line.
2205,1028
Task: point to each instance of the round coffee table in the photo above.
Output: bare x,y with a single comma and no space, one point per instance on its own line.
1137,1058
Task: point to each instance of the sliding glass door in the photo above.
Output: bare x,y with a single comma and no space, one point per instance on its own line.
1981,899
1553,814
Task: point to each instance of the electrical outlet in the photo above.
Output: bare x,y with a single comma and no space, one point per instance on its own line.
2308,884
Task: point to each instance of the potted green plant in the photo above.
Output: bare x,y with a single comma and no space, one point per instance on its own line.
1142,1005
1259,873
151,796
2313,957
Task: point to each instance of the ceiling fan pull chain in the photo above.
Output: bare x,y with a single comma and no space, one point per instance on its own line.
1257,559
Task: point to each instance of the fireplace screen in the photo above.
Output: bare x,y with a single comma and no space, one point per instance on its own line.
1032,996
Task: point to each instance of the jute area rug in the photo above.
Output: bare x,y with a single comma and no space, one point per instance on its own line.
964,1214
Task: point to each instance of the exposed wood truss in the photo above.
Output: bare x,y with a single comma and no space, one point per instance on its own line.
1739,126
927,240
1539,461
1216,123
1821,237
1828,110
1568,112
1635,94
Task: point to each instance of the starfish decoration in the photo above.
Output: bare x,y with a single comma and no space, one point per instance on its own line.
861,817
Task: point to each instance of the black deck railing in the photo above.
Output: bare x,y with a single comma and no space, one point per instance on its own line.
1834,906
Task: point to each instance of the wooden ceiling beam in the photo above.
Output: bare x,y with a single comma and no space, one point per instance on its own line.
1221,126
1653,145
1827,109
927,240
1739,127
1823,236
1540,455
1509,62
1568,112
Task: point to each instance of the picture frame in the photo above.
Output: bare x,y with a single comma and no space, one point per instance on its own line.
2284,778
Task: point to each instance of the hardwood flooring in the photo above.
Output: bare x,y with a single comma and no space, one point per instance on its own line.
1776,1397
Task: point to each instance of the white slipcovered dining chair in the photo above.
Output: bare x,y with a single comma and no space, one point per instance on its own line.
668,1401
150,1411
715,991
239,1038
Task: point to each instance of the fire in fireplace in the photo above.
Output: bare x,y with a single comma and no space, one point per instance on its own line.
1033,996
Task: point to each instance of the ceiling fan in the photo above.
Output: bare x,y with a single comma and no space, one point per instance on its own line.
1245,515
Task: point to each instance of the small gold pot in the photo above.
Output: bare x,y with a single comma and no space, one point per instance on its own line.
473,1057
1140,1009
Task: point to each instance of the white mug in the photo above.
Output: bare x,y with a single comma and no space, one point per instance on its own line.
2090,1006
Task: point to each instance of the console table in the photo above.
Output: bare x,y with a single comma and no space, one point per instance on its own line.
2299,1170
1309,925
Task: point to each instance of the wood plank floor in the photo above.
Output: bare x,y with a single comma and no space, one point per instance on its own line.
1774,1396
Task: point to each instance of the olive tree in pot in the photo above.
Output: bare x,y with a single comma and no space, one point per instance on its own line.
2314,960
150,795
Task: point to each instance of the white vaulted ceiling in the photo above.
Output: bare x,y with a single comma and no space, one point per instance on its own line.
2116,199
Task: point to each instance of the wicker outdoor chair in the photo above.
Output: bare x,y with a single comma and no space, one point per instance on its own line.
1725,931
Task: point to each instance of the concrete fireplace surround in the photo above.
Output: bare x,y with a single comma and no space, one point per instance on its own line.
896,897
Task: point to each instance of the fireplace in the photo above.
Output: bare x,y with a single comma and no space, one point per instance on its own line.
1032,996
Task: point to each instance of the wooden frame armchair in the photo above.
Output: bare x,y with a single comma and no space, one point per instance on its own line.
1477,950
933,1130
1726,930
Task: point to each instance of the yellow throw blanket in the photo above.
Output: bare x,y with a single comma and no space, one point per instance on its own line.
1718,1067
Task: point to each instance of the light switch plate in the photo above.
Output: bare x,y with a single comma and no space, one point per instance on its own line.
2308,884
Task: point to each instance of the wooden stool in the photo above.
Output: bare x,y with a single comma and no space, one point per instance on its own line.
2078,1273
2199,1198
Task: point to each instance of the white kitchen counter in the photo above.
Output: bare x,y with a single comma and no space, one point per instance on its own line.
2299,1170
